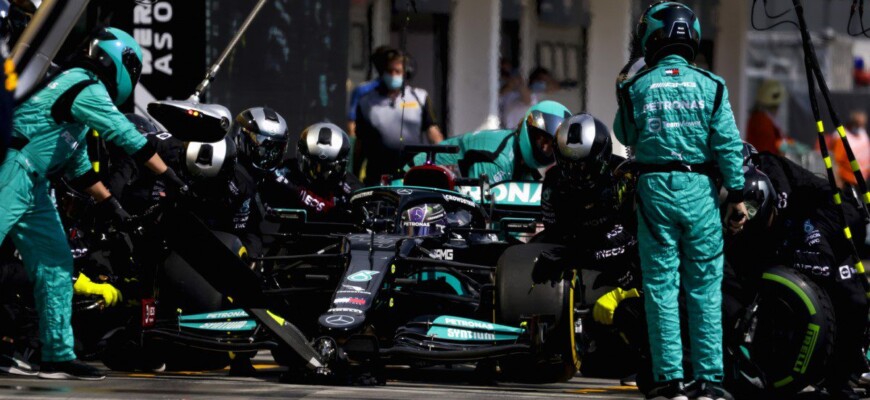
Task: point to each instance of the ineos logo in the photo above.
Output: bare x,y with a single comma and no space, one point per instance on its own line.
340,320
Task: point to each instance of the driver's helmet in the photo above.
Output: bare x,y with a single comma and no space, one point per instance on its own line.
261,136
209,160
424,219
539,126
666,28
583,149
322,153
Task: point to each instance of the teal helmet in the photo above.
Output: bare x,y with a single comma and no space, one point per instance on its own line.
667,28
541,122
116,58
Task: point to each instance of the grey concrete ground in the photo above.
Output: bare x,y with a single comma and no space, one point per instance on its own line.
435,384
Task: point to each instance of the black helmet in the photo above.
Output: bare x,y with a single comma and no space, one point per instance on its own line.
750,154
667,28
322,153
758,195
261,137
583,149
208,160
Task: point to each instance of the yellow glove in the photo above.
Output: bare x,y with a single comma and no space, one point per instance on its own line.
110,294
606,305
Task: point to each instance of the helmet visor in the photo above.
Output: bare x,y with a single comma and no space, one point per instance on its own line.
325,171
752,208
269,152
132,64
542,129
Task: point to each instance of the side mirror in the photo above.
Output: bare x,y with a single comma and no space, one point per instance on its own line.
192,122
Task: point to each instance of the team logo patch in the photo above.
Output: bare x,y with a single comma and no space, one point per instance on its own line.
845,272
672,72
362,276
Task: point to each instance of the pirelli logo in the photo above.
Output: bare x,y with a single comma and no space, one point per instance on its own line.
806,352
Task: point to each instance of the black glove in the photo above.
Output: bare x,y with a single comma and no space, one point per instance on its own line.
550,266
112,210
171,179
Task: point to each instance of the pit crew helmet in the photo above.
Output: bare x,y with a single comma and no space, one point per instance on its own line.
208,160
583,149
322,152
758,196
261,136
115,57
541,122
750,154
667,28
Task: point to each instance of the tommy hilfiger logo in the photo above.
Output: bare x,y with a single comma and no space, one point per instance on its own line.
672,72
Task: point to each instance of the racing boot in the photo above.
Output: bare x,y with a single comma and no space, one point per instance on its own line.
13,364
703,390
670,390
73,369
630,380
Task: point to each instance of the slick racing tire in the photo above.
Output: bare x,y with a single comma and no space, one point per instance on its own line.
516,298
792,337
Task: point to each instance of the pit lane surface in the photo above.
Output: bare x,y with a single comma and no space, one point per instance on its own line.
438,383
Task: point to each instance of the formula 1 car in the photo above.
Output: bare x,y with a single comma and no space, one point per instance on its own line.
434,279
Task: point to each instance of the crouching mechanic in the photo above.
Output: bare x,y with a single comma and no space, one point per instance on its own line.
587,205
504,155
316,180
804,230
223,193
679,121
49,137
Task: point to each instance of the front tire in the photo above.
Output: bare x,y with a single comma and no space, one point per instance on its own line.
518,297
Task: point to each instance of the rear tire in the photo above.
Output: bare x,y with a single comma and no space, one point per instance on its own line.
793,339
516,297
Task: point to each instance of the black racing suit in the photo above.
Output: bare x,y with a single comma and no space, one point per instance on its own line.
596,222
288,187
225,203
807,235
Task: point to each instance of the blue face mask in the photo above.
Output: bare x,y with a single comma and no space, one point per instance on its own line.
538,87
393,82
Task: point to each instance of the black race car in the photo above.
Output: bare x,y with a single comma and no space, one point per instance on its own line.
433,279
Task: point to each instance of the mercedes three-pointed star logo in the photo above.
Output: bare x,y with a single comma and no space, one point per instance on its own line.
340,320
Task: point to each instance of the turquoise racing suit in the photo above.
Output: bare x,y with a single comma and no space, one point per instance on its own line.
490,152
678,119
48,137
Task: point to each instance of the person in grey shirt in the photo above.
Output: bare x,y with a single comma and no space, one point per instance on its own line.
391,116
